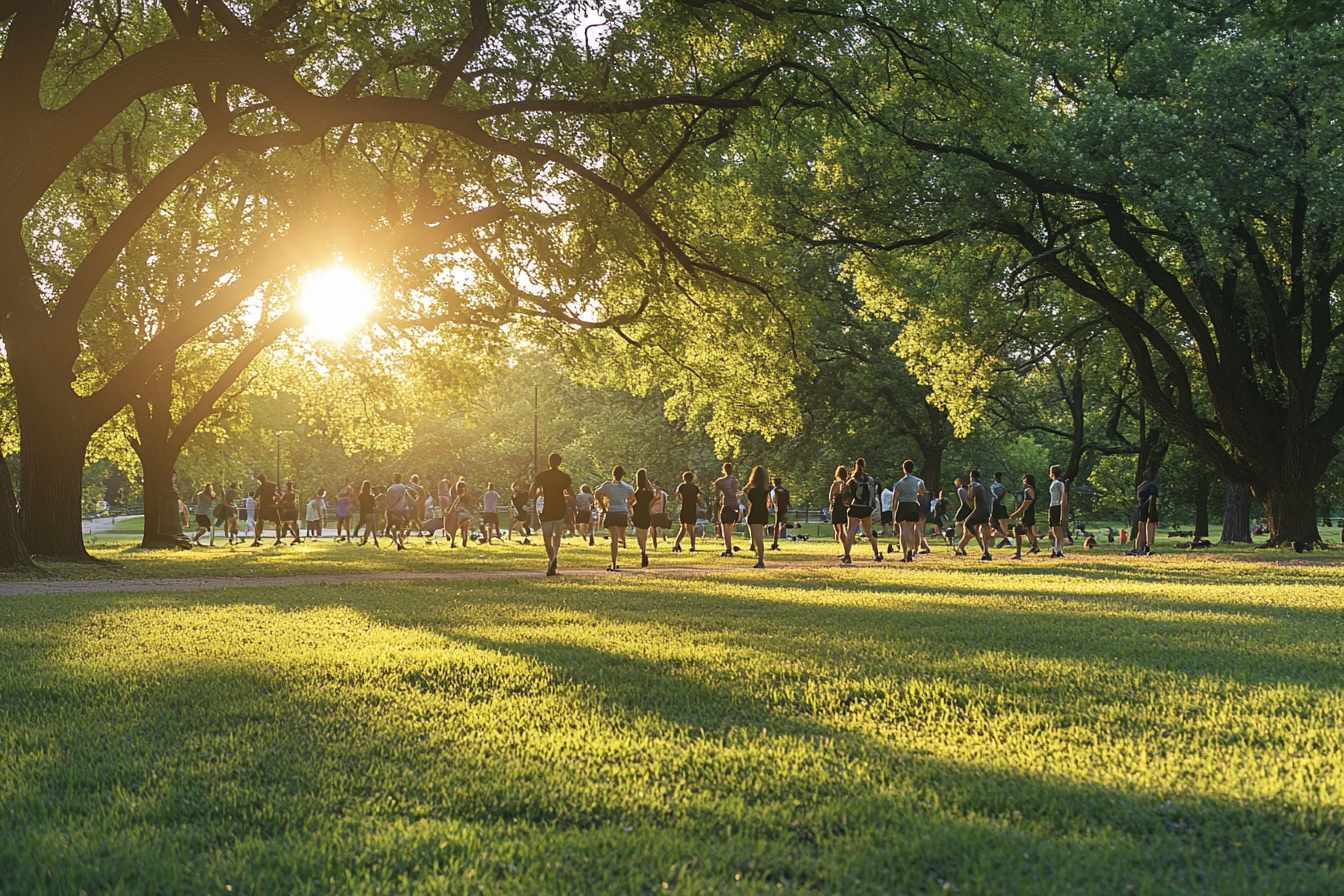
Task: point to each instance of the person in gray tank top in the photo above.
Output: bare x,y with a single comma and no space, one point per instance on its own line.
906,494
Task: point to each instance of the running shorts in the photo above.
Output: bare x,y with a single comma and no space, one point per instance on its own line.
1056,515
583,517
728,516
617,519
203,521
978,517
860,512
907,512
1146,515
886,517
963,511
662,521
1000,512
490,519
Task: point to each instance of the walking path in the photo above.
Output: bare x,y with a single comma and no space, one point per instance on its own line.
109,586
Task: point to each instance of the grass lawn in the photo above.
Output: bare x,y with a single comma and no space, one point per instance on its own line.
1171,725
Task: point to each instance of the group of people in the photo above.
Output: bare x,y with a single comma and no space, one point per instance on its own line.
551,505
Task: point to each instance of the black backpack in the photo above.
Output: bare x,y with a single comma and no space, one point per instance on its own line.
861,492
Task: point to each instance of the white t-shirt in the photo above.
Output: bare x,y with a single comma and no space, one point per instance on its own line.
886,499
314,510
396,496
251,505
1056,492
618,495
490,501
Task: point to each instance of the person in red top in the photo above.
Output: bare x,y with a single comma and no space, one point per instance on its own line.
556,490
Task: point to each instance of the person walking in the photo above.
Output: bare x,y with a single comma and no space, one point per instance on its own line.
490,514
888,497
459,514
343,510
641,513
399,498
863,497
368,512
521,513
289,513
779,502
692,501
726,489
839,501
758,511
906,495
1026,510
613,496
555,488
583,513
204,510
977,521
231,513
1145,516
1059,512
998,513
313,519
658,512
250,506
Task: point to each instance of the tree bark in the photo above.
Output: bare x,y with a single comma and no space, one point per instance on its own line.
13,554
51,482
1236,514
163,523
1290,510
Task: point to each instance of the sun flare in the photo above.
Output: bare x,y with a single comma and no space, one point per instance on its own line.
335,301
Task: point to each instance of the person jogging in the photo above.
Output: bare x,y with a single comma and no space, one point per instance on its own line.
908,491
863,497
660,518
1145,516
555,488
888,497
490,514
758,512
998,512
692,502
963,507
289,512
977,521
250,506
1026,510
641,513
1059,512
839,502
367,503
521,514
583,513
400,496
613,497
726,489
204,509
779,502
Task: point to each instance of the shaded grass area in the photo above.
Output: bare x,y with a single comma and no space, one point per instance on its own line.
1049,729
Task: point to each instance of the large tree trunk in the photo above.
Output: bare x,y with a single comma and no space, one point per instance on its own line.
1236,514
51,481
932,470
1290,510
163,522
13,554
1202,504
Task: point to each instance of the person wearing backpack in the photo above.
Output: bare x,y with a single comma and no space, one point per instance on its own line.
863,496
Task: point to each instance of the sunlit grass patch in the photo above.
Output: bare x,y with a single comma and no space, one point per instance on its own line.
824,730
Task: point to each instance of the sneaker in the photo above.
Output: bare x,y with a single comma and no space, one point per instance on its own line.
845,561
877,558
760,564
985,556
643,559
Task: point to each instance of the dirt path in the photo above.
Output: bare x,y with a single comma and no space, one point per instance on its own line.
110,586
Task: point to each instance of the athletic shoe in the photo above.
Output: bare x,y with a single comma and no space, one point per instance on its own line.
986,556
877,558
760,564
846,561
643,559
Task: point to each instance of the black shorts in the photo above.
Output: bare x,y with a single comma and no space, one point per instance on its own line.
999,512
583,517
490,519
689,518
860,512
728,516
662,521
617,519
204,521
839,515
1029,519
289,516
907,512
978,517
1056,515
963,511
1147,515
268,514
886,517
758,519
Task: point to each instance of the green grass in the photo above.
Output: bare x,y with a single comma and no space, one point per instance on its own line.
1102,727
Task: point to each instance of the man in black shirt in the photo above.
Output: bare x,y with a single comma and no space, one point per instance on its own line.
556,490
268,508
1145,519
